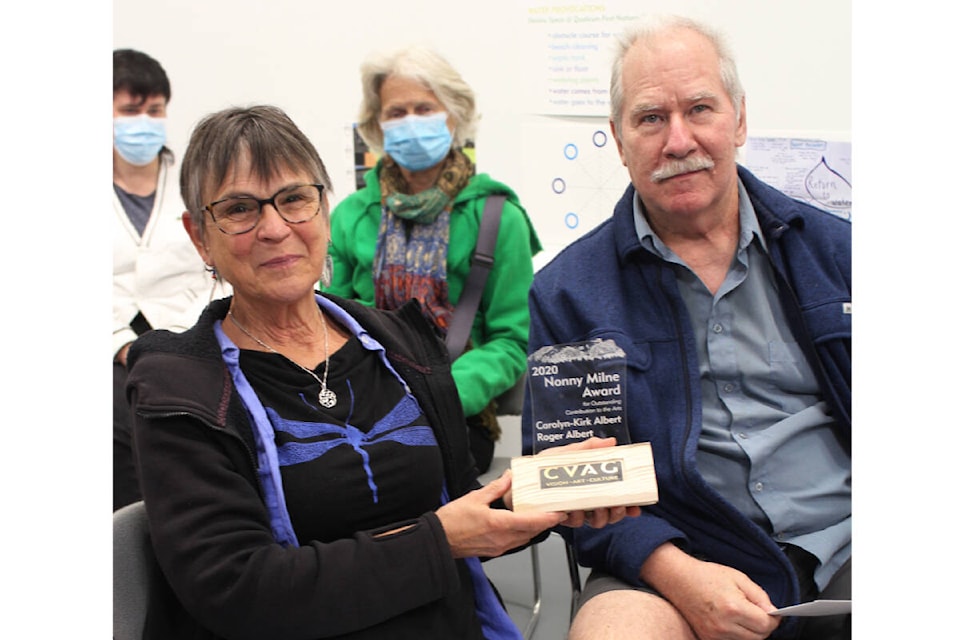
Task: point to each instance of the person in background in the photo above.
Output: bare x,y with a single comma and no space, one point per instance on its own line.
411,231
303,457
732,302
158,280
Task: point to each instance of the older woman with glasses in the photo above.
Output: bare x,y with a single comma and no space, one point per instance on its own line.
303,458
411,231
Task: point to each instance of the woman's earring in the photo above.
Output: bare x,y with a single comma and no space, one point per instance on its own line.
212,270
327,276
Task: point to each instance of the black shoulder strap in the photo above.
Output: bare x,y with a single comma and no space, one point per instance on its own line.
480,265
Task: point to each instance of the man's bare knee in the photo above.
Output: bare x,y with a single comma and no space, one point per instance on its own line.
614,615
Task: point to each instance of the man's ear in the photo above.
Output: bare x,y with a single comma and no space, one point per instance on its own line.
194,231
742,124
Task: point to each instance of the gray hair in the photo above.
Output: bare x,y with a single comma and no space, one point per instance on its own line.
426,67
645,32
266,133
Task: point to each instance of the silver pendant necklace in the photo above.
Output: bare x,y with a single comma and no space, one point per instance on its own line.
326,397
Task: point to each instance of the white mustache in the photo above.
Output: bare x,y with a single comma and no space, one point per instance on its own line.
677,167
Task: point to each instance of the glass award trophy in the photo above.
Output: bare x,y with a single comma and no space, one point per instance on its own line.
578,391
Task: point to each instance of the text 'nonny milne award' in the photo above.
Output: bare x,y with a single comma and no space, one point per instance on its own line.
578,390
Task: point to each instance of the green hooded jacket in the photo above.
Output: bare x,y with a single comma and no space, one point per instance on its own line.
499,334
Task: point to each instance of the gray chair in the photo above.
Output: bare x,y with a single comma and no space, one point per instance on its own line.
574,569
535,608
134,568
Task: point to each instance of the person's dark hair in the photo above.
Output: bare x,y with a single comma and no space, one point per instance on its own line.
138,73
266,133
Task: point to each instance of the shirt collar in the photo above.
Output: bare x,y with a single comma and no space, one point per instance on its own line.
749,227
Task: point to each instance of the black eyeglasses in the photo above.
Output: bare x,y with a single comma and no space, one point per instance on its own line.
295,205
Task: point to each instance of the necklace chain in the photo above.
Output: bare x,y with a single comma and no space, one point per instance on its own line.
325,397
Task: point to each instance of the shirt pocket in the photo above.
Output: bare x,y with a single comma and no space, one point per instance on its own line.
789,370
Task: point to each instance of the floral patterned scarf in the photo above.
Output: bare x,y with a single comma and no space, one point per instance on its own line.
411,254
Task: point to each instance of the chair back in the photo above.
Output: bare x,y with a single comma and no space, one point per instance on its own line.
134,568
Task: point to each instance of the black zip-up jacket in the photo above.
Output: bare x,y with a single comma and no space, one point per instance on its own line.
210,529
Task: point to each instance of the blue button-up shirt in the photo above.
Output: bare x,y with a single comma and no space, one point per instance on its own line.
767,444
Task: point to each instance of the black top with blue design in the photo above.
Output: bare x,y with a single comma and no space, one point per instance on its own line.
343,468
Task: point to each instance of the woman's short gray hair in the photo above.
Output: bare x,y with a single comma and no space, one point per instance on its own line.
426,67
653,27
266,133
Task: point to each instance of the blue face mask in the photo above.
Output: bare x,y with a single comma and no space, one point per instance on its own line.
417,142
138,139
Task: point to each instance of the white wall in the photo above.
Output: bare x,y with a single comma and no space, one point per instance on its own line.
304,56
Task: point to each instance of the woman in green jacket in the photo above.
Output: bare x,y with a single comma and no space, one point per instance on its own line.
411,231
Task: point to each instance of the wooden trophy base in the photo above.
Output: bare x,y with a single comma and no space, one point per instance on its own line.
583,480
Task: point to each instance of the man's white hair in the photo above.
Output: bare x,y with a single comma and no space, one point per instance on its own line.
656,26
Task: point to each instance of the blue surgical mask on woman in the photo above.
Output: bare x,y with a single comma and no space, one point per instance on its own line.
138,139
417,142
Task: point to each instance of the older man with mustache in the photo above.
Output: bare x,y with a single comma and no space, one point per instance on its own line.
732,303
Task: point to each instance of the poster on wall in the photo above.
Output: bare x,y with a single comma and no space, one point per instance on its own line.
572,47
576,181
813,170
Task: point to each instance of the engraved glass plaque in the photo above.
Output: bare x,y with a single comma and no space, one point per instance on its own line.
577,390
